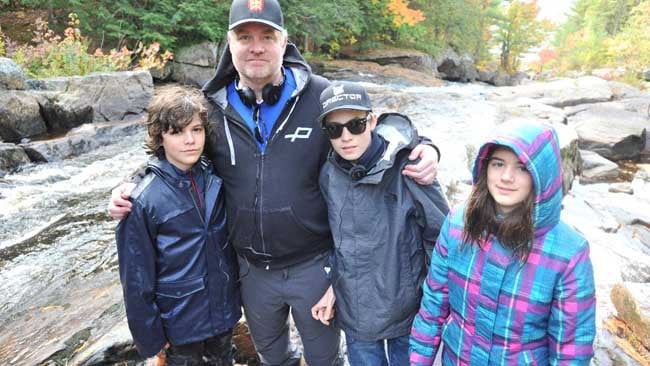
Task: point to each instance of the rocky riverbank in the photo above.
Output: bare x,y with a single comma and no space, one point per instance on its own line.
61,302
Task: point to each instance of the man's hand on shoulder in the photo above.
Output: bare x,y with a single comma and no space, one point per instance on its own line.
425,171
119,205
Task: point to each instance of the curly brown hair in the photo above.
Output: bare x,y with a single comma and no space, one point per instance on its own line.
170,110
515,230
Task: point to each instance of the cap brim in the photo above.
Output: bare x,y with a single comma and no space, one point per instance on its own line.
352,106
255,20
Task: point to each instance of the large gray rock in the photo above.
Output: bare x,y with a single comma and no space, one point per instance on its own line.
531,108
639,104
571,163
195,64
561,92
20,116
597,169
79,140
63,111
624,91
410,59
453,67
202,54
113,96
11,75
191,74
612,133
501,78
12,156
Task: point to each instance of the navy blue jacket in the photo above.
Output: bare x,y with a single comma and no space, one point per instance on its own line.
276,213
178,270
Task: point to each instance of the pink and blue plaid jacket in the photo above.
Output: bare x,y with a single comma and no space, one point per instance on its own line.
487,307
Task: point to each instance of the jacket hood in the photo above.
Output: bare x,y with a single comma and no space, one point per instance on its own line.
536,145
226,70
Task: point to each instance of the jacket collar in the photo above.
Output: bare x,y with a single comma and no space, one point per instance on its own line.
164,169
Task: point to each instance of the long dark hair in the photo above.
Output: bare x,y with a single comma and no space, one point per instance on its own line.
172,108
514,230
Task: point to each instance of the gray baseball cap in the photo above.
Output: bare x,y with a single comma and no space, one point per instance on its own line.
343,95
256,11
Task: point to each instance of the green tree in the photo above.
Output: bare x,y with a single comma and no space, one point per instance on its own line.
518,31
324,26
631,46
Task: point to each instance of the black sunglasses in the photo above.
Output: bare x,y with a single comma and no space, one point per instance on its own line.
356,126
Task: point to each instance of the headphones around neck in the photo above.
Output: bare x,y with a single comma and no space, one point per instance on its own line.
270,93
357,172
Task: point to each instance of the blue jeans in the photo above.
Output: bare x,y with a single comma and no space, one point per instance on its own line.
393,352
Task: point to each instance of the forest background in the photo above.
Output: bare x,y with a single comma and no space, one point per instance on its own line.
118,34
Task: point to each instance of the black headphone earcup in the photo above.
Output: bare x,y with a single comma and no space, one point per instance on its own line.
247,96
357,172
272,93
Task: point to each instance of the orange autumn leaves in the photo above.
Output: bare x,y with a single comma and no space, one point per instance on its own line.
403,15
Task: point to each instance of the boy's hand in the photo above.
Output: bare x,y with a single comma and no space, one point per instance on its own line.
324,309
119,206
160,359
426,170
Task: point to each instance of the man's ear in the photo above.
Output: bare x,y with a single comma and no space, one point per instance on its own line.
286,40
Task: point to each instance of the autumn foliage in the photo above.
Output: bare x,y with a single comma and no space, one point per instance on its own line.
51,54
403,15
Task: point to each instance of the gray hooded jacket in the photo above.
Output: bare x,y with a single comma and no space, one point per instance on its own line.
384,228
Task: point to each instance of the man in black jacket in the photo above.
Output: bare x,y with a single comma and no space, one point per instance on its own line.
266,144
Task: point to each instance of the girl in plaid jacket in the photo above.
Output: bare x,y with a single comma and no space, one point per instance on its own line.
509,283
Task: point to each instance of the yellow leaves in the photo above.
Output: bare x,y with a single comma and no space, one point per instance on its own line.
403,15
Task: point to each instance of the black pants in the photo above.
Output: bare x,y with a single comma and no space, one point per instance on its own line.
215,351
270,295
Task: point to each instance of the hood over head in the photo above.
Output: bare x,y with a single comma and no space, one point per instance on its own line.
537,146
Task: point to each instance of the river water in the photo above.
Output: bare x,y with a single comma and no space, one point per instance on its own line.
55,234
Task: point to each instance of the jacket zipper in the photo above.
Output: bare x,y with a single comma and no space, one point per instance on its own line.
261,200
189,190
219,258
221,264
260,174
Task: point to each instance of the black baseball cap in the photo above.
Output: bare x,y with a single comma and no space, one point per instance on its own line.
343,95
256,11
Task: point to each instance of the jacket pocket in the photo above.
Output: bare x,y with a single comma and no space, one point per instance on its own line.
242,228
170,295
284,233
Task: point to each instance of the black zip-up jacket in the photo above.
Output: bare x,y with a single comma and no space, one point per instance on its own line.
276,213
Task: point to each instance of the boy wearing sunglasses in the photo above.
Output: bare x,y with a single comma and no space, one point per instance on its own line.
384,226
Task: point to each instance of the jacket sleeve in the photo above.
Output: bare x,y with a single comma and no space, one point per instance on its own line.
432,208
434,309
135,237
572,324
